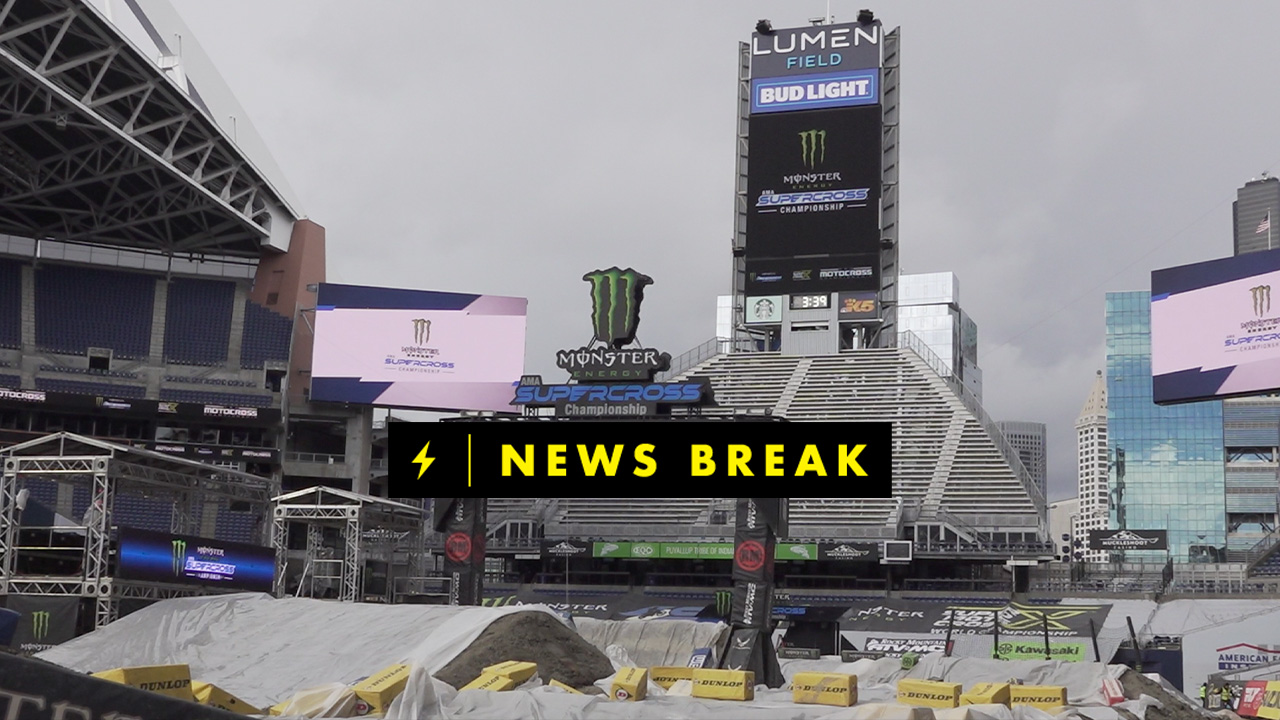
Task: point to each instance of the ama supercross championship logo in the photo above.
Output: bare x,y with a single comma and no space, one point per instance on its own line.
616,296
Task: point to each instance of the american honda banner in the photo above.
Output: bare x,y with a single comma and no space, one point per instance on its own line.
463,522
753,558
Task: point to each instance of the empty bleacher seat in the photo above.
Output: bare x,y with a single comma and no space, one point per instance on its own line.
198,321
78,308
78,387
11,381
625,511
266,336
236,527
10,304
143,513
214,398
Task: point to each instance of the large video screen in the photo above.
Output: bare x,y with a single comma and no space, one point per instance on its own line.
190,560
813,183
1214,330
417,349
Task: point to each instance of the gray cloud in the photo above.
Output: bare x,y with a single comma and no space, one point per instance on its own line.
1050,153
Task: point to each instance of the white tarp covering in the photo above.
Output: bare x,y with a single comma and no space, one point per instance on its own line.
653,643
263,650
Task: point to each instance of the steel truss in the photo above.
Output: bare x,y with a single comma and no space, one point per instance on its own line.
98,143
109,469
368,526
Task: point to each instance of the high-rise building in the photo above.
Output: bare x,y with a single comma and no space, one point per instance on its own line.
1062,516
1257,206
1166,463
929,308
1251,426
1092,486
1029,439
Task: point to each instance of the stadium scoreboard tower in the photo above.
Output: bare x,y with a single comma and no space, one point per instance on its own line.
815,247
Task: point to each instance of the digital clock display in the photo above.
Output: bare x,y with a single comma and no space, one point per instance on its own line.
810,302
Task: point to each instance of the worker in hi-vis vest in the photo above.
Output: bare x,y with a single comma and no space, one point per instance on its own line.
1204,694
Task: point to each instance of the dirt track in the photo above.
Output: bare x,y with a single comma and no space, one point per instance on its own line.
561,654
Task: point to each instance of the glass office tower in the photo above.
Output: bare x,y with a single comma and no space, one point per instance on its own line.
1167,466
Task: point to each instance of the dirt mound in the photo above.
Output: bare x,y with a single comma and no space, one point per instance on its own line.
1174,707
537,637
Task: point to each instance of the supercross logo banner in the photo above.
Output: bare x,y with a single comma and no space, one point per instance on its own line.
616,296
466,455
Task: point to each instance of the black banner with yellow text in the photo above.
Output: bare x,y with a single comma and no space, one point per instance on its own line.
480,457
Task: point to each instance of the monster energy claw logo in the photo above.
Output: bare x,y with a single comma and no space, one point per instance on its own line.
615,304
1261,299
813,147
421,331
179,555
40,625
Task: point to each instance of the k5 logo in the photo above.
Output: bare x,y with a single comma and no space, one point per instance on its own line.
859,306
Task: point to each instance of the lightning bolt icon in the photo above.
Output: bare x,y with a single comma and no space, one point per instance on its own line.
423,461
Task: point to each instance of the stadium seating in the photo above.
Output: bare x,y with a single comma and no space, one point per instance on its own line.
89,371
266,336
11,381
626,511
91,388
1270,565
236,527
225,382
214,398
78,308
143,513
10,304
198,321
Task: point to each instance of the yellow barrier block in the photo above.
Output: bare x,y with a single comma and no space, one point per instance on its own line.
214,696
987,694
930,694
332,700
518,671
169,680
381,688
737,685
835,689
493,683
630,685
665,677
566,688
1041,697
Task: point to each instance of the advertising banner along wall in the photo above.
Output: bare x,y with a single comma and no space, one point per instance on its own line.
417,349
45,621
1118,540
1016,620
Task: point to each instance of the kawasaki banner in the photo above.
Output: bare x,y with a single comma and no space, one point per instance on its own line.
46,621
1016,619
462,520
1031,650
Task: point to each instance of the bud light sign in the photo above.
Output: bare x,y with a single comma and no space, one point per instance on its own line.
815,92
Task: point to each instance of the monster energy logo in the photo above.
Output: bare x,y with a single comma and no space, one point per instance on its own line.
615,304
179,555
40,625
616,296
1261,299
724,603
813,147
421,331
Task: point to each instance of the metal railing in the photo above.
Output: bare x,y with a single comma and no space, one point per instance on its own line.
707,350
321,458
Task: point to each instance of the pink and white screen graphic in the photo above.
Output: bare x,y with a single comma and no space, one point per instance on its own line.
468,358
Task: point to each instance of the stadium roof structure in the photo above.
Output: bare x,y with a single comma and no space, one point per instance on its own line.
99,143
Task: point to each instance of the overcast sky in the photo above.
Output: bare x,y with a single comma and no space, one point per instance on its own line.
1049,154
